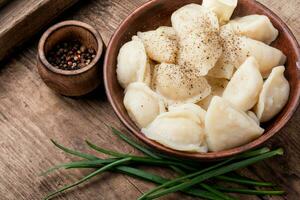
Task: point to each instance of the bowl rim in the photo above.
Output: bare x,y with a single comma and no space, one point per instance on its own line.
60,25
210,156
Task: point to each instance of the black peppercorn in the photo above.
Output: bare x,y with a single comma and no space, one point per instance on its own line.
71,55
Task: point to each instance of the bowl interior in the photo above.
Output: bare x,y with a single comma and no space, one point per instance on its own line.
157,13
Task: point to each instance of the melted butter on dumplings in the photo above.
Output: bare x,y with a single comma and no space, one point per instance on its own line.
133,64
227,127
244,87
160,44
222,8
257,27
142,104
274,95
181,129
177,84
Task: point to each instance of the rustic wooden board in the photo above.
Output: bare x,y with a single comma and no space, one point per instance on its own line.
20,20
31,114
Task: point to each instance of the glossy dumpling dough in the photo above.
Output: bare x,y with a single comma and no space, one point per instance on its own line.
227,127
193,18
133,64
180,129
274,95
244,87
177,84
142,104
160,44
218,86
257,27
223,8
199,51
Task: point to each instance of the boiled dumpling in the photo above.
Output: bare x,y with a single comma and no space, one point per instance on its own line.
177,84
227,127
160,44
142,104
236,49
223,8
199,51
190,107
274,95
244,87
267,57
230,57
179,129
193,18
218,85
257,27
199,41
133,64
253,116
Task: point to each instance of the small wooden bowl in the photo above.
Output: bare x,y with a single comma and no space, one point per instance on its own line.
70,82
157,13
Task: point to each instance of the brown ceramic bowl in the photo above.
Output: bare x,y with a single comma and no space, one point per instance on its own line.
70,82
157,13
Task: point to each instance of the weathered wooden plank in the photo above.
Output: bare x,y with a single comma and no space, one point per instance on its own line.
20,20
31,114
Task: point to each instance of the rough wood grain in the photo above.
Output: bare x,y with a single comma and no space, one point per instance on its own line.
31,114
20,20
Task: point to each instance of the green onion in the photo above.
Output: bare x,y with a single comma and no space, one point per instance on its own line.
91,175
76,153
190,175
211,173
244,181
248,191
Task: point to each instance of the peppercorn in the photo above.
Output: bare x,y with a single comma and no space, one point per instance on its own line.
71,55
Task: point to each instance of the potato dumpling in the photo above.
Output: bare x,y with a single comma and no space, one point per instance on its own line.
227,127
229,59
177,84
244,87
267,57
179,129
218,86
142,104
160,44
222,8
199,51
133,64
193,18
257,27
236,49
274,95
197,110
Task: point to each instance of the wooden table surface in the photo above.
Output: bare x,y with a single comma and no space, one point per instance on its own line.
31,114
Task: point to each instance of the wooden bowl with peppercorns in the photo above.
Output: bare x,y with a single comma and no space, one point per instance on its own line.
68,58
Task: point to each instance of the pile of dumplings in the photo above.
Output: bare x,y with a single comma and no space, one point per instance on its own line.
207,82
